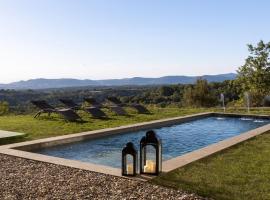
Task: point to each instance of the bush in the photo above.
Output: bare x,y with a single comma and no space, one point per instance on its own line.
199,95
166,91
4,107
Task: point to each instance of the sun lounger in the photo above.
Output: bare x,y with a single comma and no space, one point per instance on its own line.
115,101
93,102
118,110
94,111
138,107
114,108
70,104
44,107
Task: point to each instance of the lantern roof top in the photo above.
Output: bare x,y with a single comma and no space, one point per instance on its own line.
129,148
150,137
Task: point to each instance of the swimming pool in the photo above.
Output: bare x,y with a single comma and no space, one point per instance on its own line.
177,140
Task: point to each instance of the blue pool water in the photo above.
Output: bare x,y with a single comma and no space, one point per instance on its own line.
176,140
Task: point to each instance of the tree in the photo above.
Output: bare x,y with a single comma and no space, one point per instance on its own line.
199,95
166,91
4,107
254,75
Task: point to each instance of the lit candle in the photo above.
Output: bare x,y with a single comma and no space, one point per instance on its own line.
153,168
130,169
150,166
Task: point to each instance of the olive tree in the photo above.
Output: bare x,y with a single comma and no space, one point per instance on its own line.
254,75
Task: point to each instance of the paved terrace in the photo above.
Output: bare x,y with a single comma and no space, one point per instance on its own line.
8,134
27,179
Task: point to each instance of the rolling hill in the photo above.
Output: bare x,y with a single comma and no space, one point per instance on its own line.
62,83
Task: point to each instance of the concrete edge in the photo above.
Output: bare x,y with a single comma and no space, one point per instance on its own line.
10,134
52,141
185,159
62,161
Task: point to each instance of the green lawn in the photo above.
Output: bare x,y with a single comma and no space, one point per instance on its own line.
265,111
45,126
241,172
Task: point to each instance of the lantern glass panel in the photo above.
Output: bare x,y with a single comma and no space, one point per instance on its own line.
129,160
129,163
149,159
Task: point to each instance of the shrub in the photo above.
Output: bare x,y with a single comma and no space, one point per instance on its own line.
4,107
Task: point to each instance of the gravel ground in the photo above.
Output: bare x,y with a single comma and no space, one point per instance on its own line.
28,179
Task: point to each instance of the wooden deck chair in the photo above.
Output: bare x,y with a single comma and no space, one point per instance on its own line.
94,111
66,113
138,107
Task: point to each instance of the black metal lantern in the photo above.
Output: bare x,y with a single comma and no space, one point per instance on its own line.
150,154
129,160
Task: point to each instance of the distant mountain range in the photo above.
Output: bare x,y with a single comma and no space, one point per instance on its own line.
62,83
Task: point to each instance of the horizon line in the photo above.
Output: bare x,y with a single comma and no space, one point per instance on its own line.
47,78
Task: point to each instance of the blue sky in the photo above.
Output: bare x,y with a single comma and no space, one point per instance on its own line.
98,39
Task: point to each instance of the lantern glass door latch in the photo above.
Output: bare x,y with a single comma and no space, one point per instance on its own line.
129,160
150,154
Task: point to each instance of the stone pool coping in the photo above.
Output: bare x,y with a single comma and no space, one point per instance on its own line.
21,149
9,134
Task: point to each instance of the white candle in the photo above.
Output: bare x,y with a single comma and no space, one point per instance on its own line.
130,169
150,166
153,168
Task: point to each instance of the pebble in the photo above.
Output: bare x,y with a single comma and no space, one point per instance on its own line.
28,179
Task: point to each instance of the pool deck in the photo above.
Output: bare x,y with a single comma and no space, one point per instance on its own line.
24,149
9,134
29,179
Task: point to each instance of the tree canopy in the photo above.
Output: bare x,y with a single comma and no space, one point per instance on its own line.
254,75
199,95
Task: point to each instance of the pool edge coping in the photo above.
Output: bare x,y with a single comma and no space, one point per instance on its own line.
211,149
21,149
76,137
10,134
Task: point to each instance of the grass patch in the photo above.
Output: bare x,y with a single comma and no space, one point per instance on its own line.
262,110
241,172
54,125
45,126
